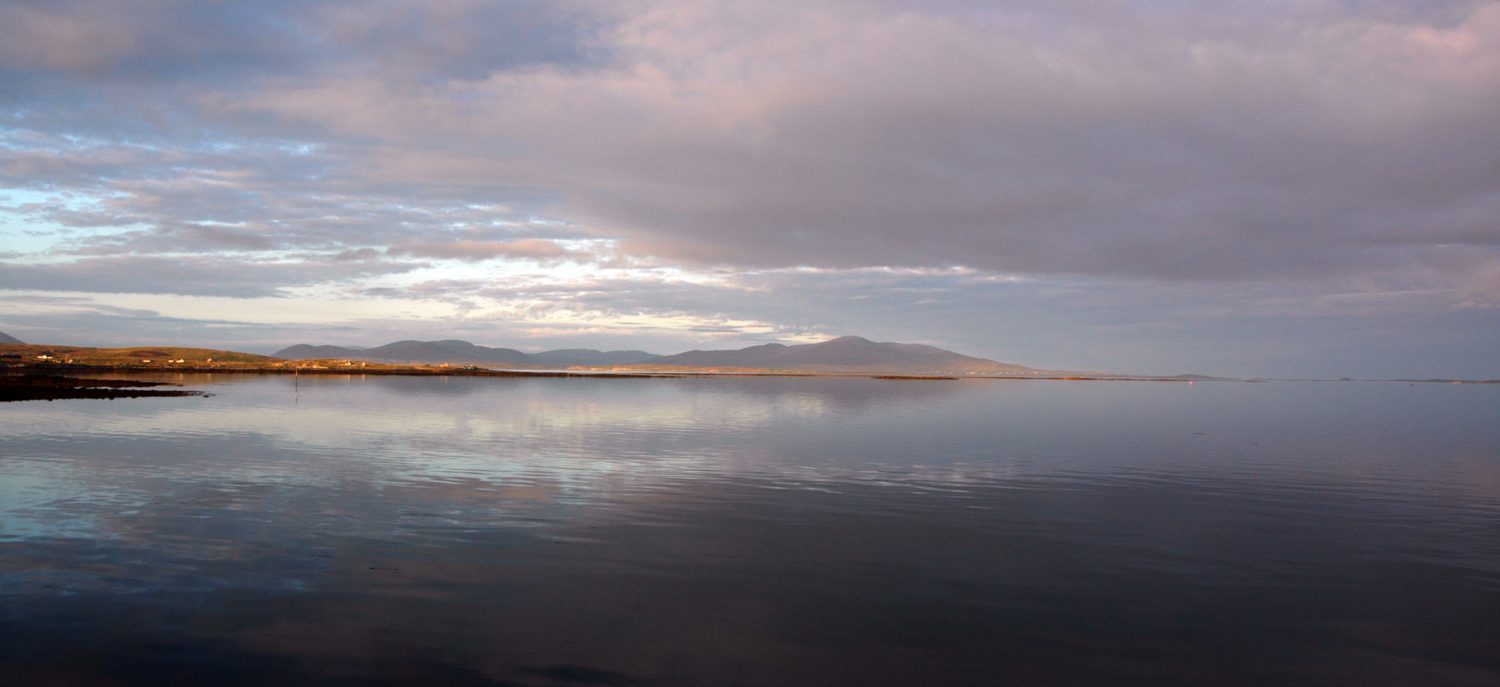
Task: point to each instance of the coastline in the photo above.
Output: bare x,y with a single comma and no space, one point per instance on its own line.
39,359
50,387
304,368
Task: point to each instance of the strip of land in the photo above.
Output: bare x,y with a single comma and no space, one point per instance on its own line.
66,360
46,387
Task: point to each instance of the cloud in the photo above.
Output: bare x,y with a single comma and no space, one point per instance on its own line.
1135,141
1124,139
182,39
195,275
471,250
830,165
1168,146
83,321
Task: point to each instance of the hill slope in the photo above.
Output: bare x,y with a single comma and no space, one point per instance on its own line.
588,357
844,354
450,351
463,352
311,352
136,355
8,339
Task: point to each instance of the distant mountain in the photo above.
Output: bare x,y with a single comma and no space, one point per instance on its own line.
310,352
451,351
844,354
8,339
446,351
588,357
463,352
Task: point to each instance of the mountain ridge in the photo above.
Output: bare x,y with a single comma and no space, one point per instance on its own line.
568,357
412,351
841,354
8,339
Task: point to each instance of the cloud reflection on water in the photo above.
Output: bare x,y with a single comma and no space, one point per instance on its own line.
552,532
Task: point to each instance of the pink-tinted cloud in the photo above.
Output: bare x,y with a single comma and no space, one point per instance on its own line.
532,249
1225,162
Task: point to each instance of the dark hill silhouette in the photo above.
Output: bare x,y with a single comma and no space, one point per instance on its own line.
450,351
8,339
463,352
588,357
310,352
844,354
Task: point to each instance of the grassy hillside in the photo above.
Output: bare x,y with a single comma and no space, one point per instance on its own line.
153,356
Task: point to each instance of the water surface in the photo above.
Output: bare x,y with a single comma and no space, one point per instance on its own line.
346,530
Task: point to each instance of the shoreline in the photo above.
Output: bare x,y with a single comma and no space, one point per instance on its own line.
60,359
380,369
65,359
51,387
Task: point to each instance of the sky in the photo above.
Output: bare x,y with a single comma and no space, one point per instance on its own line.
1270,188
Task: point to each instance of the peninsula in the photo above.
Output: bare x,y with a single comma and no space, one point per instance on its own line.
841,355
42,371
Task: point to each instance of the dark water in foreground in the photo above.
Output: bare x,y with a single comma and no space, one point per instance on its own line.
613,532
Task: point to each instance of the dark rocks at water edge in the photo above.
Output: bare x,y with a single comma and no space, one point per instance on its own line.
56,387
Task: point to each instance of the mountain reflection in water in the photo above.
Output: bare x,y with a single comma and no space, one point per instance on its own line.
752,531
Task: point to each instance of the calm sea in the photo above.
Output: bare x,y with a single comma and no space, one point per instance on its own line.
551,532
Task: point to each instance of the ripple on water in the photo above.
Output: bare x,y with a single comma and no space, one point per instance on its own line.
790,531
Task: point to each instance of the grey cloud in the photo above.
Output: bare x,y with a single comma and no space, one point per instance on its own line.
179,237
161,39
472,250
1186,144
1121,139
1147,151
193,275
183,39
464,39
85,322
1131,156
247,196
1114,325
